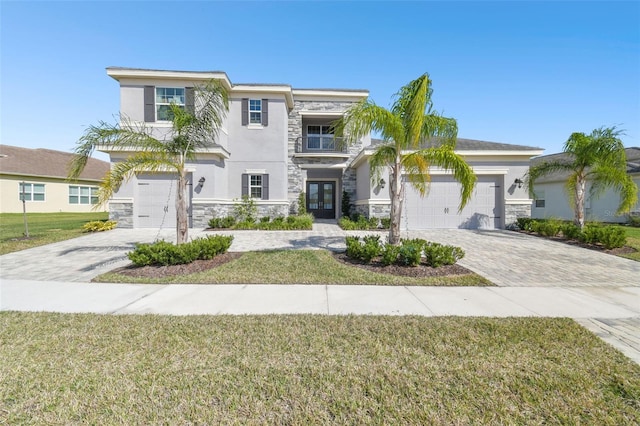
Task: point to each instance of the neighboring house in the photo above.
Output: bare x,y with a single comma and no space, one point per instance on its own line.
40,176
552,200
276,142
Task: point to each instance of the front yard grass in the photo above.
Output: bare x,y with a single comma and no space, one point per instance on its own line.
44,228
295,267
305,369
633,240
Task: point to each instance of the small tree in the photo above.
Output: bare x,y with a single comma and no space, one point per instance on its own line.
598,158
416,138
193,129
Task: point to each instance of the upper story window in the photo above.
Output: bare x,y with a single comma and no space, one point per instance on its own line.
320,137
165,96
539,199
255,111
83,195
31,191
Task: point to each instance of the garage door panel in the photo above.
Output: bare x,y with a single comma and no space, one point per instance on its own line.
156,200
439,209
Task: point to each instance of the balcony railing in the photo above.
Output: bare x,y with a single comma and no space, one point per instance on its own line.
320,144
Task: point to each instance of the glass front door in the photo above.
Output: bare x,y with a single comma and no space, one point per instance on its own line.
321,199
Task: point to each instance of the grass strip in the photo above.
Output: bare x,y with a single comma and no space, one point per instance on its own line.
92,369
295,267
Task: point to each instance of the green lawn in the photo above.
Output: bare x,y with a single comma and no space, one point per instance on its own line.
305,369
633,240
312,267
44,228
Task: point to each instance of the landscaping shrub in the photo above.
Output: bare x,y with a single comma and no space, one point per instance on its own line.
346,204
590,234
99,225
437,255
222,222
570,231
302,203
265,219
634,220
410,253
524,223
612,237
163,253
359,222
364,250
548,228
386,222
390,254
246,210
354,248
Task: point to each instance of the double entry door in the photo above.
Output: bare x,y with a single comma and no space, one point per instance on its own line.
321,198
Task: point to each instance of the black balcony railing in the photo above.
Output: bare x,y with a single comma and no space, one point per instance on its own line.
320,144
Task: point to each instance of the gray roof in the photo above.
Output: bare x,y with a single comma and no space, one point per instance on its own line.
477,145
46,162
633,163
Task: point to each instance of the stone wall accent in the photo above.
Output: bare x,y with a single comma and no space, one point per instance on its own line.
514,211
202,213
374,210
122,213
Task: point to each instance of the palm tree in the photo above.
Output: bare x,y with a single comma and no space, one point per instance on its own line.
598,158
415,138
193,129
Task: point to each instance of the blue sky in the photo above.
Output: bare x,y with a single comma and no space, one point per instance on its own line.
527,73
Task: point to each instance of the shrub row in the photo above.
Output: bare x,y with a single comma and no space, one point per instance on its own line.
609,237
163,253
99,225
408,253
359,222
299,222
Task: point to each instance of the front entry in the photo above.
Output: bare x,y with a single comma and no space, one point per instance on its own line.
321,199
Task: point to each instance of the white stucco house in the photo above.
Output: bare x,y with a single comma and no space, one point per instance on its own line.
39,176
276,142
552,200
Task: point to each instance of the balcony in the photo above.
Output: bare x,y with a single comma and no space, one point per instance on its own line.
322,145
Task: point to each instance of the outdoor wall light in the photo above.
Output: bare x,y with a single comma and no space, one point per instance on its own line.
518,182
201,181
382,183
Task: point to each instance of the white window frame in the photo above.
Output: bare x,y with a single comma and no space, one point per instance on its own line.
30,191
539,196
256,108
257,186
91,195
159,104
322,137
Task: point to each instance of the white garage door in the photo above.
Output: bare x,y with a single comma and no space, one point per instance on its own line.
439,208
156,201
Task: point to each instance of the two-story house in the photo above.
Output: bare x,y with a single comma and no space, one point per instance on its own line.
276,142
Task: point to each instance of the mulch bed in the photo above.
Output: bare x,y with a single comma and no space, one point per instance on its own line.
421,271
597,247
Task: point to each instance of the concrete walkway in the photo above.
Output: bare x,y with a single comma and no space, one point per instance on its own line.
535,277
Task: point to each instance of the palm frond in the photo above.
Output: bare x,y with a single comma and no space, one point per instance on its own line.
383,156
364,117
441,129
545,169
411,103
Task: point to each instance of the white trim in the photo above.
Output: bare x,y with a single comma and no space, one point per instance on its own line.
323,166
370,202
255,171
321,113
322,155
232,202
254,126
513,201
121,200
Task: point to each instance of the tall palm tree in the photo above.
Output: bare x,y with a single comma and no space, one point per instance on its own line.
193,129
598,158
415,138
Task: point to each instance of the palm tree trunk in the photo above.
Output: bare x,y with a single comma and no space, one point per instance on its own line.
396,193
581,185
182,217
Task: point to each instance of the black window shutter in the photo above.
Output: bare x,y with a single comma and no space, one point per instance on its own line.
265,187
189,100
149,104
245,111
245,185
265,112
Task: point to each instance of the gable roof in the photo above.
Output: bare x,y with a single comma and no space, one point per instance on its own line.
633,163
42,162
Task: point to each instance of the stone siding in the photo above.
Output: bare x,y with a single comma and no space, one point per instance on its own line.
202,213
513,212
122,213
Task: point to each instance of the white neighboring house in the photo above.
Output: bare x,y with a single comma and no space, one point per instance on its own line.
552,201
276,142
40,175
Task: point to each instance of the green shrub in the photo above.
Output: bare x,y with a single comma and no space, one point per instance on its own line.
278,220
364,250
246,210
409,253
386,222
437,255
524,223
245,225
346,204
590,234
634,220
612,237
354,248
302,204
570,231
549,228
222,222
99,225
265,219
163,253
389,254
346,224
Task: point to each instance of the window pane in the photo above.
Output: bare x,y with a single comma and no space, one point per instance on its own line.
328,196
256,180
73,190
255,105
73,199
256,192
313,142
255,117
313,130
313,196
38,188
165,113
326,130
94,195
38,197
